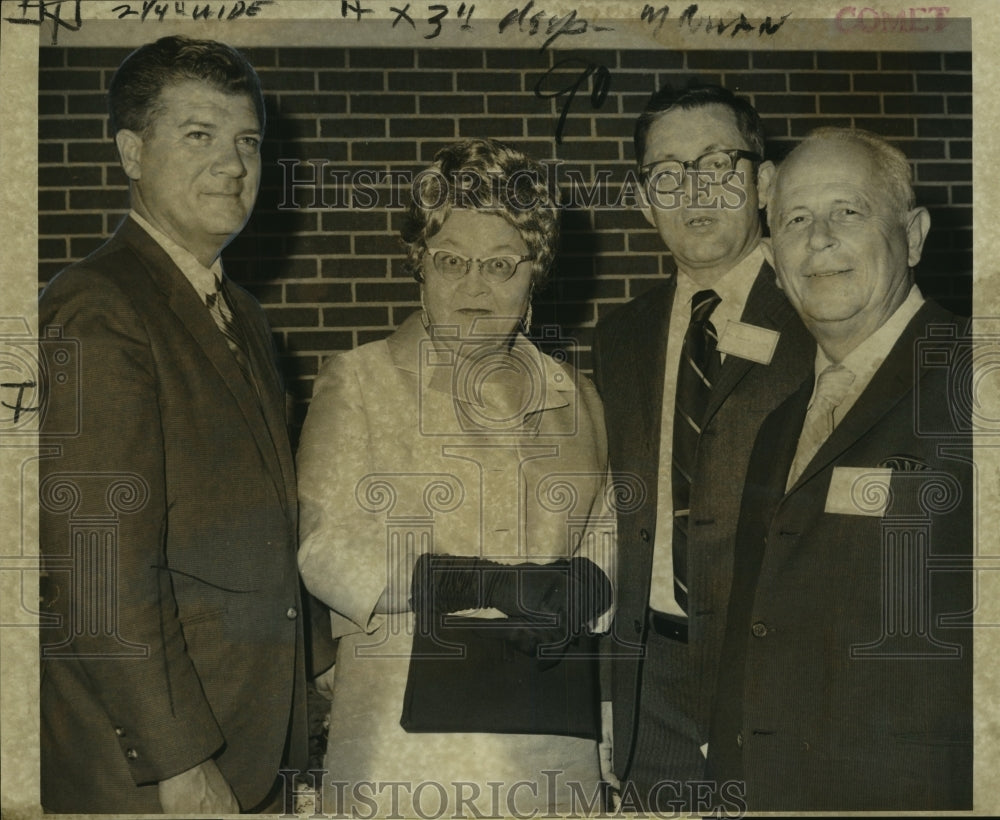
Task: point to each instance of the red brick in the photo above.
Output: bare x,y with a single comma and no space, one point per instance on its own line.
355,316
312,57
383,104
353,267
387,291
488,81
751,81
319,292
716,60
280,81
652,60
52,249
417,127
495,127
69,176
778,60
319,245
292,317
421,81
351,81
318,340
953,127
380,58
66,80
821,81
453,58
312,104
517,104
51,201
453,104
97,200
847,61
75,129
910,61
70,224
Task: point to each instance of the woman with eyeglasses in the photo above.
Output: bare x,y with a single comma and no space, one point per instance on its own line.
454,516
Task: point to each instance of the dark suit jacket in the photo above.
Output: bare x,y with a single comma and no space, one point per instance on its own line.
172,618
847,678
629,362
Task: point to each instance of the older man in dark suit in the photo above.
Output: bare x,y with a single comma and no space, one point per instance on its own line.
846,681
688,371
172,637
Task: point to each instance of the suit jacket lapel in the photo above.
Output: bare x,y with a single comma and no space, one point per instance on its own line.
766,307
889,385
183,301
647,361
272,390
774,451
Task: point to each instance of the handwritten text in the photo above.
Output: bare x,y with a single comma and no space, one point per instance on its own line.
690,20
36,12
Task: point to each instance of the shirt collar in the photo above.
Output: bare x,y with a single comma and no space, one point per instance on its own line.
412,350
734,286
202,279
865,359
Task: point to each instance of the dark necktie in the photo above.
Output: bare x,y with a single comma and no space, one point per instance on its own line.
698,368
218,305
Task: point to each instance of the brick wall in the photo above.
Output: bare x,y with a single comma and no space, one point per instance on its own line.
329,274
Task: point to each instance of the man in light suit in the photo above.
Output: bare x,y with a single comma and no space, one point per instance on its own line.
700,151
846,682
172,631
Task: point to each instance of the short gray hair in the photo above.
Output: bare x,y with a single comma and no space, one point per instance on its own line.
488,175
892,167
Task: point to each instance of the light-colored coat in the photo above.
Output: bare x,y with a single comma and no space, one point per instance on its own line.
409,448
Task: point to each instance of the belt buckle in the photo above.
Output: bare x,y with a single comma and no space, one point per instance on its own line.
668,626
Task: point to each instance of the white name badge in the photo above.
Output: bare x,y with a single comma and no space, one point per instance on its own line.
859,491
748,341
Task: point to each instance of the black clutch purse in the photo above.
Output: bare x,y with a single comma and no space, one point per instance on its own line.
468,675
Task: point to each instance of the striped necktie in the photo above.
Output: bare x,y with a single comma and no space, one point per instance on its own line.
219,307
699,366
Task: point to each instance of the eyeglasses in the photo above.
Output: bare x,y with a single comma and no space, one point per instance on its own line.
494,269
667,175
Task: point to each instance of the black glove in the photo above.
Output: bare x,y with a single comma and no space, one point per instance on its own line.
546,603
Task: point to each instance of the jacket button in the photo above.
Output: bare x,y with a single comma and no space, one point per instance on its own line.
759,629
644,534
131,754
739,739
120,731
638,626
291,613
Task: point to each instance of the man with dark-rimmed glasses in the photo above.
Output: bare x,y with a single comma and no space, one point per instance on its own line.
688,371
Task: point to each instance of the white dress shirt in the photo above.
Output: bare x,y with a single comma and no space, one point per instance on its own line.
733,289
202,279
868,356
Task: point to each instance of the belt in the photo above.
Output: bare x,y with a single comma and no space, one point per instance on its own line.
673,627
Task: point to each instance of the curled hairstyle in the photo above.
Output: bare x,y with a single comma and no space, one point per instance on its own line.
135,88
892,169
489,176
698,95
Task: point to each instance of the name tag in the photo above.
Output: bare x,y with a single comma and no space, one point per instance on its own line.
859,491
748,342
